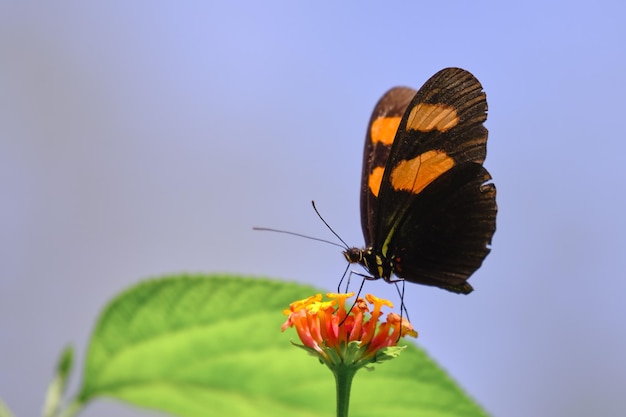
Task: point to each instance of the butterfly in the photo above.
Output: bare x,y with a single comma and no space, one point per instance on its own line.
428,208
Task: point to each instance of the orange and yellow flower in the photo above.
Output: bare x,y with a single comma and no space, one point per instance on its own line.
339,337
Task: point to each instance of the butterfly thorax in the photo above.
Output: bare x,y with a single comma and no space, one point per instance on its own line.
376,264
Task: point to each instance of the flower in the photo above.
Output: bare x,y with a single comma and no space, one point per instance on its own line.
341,337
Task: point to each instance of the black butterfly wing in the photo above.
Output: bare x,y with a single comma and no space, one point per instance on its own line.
434,215
381,132
445,234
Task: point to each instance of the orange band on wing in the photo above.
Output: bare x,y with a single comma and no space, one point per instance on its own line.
426,117
376,177
415,174
384,130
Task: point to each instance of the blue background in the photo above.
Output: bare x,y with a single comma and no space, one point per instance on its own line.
144,138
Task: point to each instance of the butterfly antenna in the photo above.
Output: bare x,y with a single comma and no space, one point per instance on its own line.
345,245
267,229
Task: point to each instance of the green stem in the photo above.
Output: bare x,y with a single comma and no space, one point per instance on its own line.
343,380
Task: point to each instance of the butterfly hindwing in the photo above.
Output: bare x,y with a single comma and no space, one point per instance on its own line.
381,132
444,235
427,211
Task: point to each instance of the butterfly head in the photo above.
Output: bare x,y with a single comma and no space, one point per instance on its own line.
377,265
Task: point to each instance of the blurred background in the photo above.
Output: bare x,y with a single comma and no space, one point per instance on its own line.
144,138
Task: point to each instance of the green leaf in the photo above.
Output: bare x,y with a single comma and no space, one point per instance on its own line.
389,353
57,386
212,346
4,410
